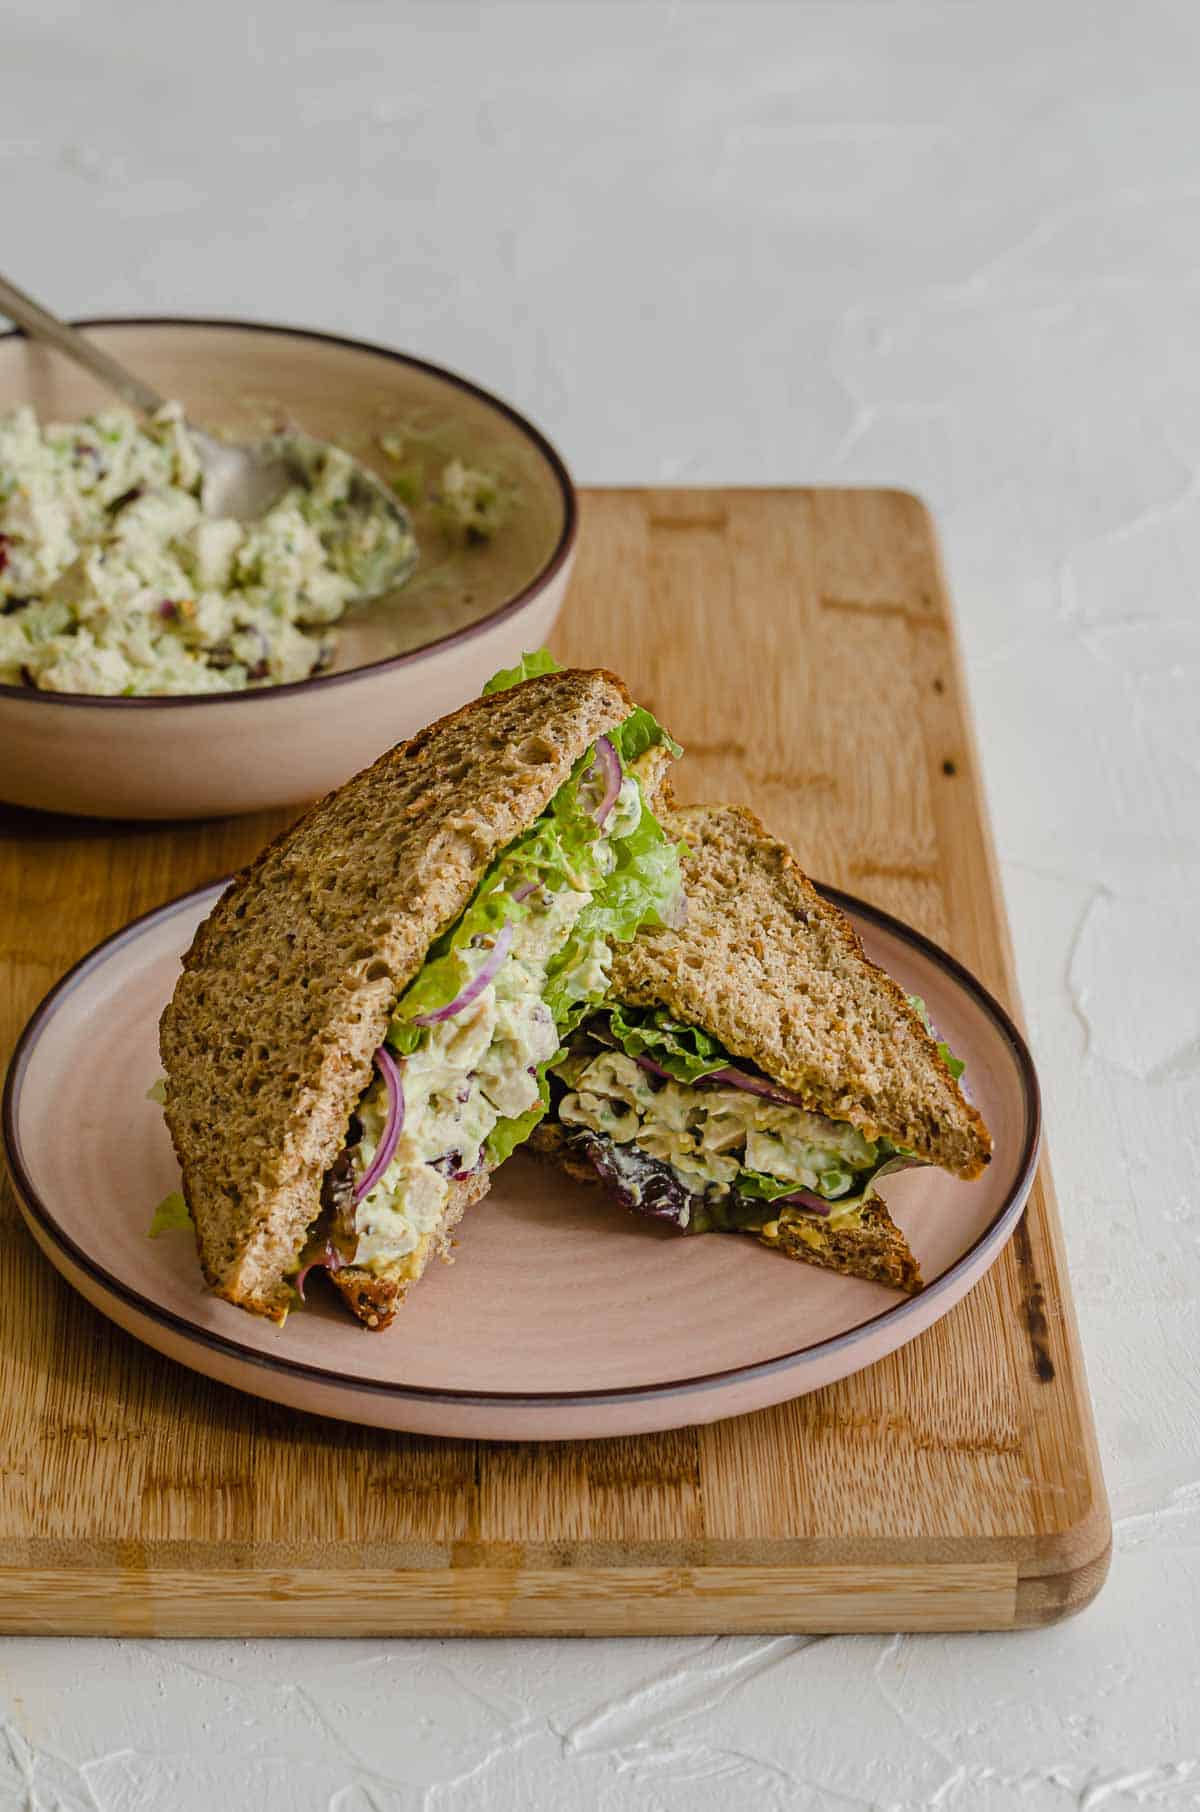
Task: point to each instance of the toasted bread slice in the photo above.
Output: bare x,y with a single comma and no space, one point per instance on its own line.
874,1249
779,976
289,984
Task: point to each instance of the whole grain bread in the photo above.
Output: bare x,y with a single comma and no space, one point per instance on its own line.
375,1299
779,976
874,1249
289,984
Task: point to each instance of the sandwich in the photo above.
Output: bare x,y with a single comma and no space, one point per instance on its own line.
363,1026
752,1072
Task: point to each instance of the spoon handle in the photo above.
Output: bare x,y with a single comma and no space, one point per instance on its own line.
40,324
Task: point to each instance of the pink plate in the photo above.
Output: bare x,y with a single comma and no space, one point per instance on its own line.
564,1316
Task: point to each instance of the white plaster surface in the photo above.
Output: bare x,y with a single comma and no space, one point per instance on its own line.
950,246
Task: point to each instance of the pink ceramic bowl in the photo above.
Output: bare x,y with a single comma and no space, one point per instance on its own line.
466,612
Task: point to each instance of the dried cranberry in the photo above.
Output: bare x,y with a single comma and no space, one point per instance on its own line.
450,1165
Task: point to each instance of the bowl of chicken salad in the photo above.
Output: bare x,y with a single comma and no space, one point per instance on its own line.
161,659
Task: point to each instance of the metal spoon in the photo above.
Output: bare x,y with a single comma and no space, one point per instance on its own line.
238,480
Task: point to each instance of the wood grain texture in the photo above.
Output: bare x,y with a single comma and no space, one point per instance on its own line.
801,645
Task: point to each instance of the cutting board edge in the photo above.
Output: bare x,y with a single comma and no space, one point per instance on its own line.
1002,1585
1051,1597
510,1602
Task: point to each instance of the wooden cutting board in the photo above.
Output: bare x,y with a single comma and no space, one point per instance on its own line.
801,645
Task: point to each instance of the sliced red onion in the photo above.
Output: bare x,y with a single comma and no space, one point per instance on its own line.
329,1260
754,1085
804,1198
726,1078
525,889
729,1078
676,918
389,1069
607,766
478,982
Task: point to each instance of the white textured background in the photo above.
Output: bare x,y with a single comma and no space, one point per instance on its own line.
950,246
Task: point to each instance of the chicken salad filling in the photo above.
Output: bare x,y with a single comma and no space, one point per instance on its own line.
698,1138
467,1075
115,581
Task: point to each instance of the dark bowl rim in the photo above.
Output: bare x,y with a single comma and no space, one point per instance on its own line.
563,549
986,1247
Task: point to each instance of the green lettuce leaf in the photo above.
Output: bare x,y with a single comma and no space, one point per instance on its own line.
854,1191
954,1064
562,849
540,661
448,967
639,732
171,1216
685,1052
642,888
847,1191
762,1188
506,1135
835,1185
158,1091
403,1035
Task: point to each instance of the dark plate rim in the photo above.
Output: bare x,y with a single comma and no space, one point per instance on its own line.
990,1241
545,575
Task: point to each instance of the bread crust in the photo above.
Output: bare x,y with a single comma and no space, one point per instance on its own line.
874,1249
289,984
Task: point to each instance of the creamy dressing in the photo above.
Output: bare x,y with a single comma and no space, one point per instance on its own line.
707,1135
113,579
475,1069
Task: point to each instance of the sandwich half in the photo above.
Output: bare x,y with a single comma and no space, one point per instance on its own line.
363,1024
753,1072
